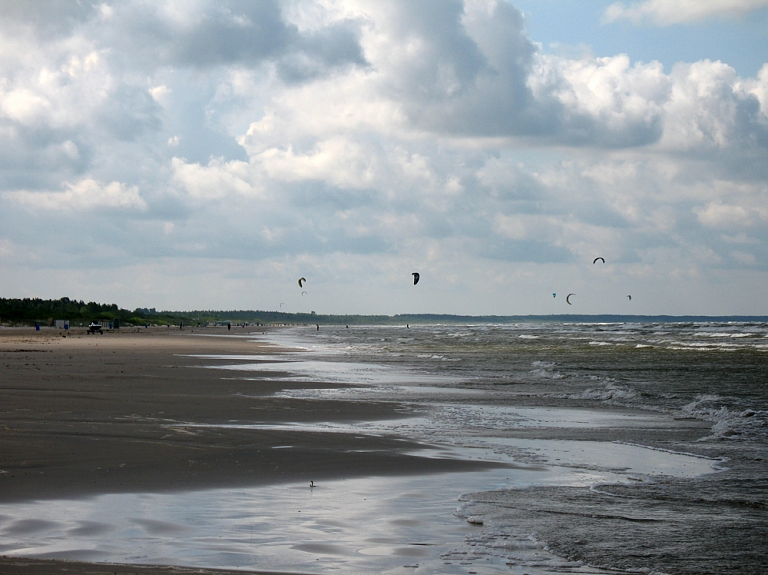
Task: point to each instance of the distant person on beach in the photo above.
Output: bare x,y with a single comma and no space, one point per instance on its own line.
181,325
229,326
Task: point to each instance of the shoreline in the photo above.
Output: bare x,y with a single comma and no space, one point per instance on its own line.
87,415
145,422
32,566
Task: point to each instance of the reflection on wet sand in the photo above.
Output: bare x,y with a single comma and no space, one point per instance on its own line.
499,471
364,524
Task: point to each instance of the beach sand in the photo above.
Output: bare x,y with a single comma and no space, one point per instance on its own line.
84,415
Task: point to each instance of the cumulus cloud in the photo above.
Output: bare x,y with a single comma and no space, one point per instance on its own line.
366,136
215,180
210,34
86,194
498,86
710,107
666,12
720,215
604,101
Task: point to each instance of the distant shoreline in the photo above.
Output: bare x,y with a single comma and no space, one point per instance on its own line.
31,311
304,318
277,319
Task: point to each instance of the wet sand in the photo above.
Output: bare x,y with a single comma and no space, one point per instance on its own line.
18,566
86,415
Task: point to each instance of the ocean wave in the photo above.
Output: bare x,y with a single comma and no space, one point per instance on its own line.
609,393
545,370
728,423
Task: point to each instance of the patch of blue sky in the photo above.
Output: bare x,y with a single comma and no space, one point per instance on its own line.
573,27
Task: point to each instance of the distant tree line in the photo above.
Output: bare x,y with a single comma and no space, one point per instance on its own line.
30,310
19,310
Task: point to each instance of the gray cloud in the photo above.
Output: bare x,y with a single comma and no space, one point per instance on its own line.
128,113
209,34
47,19
361,138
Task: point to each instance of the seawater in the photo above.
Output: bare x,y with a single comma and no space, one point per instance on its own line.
716,372
575,397
630,447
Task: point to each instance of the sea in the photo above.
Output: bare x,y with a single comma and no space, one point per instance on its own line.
621,447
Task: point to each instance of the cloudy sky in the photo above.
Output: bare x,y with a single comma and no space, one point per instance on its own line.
206,154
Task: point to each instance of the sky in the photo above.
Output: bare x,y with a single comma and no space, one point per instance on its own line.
205,154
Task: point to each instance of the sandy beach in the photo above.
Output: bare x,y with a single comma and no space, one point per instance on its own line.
84,415
449,449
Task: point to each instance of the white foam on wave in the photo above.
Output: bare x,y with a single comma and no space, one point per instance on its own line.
729,424
610,392
545,370
434,356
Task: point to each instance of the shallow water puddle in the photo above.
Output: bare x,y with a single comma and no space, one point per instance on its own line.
509,417
317,370
630,461
379,525
278,527
620,457
336,372
383,525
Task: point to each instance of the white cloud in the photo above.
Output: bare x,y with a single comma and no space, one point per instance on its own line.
666,12
6,249
604,100
161,94
87,194
744,258
215,180
581,238
24,106
373,138
711,108
719,215
338,161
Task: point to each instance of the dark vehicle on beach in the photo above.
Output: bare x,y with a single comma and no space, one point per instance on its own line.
94,327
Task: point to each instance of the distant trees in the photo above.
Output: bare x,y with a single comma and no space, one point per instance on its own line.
31,309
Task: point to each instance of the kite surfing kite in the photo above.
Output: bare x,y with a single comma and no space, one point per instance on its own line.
416,277
303,293
568,298
301,281
554,295
594,261
629,297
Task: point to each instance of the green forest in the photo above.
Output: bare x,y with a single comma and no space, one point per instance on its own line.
32,310
29,311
